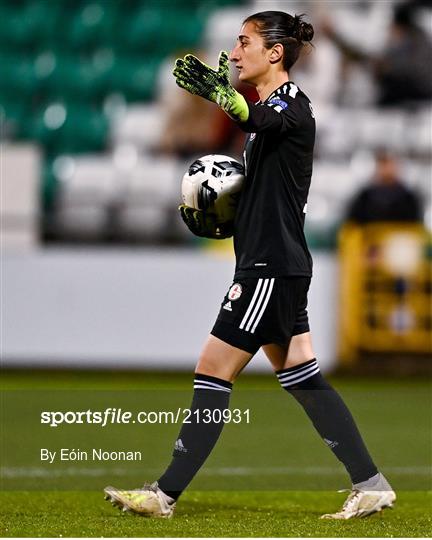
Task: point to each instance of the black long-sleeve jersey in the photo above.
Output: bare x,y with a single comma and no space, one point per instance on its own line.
268,231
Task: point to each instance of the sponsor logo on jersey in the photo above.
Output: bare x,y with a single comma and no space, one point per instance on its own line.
278,104
228,306
235,292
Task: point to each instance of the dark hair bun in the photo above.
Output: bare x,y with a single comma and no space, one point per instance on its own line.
302,31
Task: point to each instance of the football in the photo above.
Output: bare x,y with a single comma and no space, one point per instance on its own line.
213,183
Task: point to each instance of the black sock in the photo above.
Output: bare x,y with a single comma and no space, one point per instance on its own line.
198,437
330,416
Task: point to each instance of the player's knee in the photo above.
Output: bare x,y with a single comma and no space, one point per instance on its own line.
304,376
208,364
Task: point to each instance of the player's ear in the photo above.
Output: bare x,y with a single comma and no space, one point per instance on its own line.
276,53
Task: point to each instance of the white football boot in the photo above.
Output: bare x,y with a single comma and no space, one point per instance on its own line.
365,501
148,501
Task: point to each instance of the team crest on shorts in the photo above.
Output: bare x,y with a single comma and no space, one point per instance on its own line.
235,291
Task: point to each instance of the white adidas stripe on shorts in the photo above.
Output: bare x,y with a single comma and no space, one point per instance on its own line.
257,305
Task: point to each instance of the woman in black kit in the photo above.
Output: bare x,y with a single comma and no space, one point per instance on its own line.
266,304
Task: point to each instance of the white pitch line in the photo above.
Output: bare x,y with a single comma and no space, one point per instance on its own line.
41,472
247,471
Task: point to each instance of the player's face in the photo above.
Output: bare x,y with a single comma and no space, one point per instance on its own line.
250,56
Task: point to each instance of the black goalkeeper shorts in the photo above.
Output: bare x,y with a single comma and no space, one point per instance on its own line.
259,311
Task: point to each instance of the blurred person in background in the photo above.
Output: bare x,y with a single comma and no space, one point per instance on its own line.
266,306
386,198
402,71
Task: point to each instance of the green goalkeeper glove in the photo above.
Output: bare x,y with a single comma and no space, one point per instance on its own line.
204,224
200,79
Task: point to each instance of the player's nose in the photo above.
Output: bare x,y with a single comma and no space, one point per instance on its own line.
233,55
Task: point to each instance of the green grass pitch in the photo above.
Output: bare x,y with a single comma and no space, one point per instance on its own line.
272,477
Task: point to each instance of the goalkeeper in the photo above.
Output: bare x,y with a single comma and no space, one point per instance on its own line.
266,305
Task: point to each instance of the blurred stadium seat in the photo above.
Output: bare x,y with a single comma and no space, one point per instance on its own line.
141,126
87,189
149,193
89,180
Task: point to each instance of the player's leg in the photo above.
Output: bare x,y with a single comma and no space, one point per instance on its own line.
298,351
217,368
215,349
299,374
227,351
326,409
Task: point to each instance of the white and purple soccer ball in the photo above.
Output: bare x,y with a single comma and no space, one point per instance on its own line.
213,183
